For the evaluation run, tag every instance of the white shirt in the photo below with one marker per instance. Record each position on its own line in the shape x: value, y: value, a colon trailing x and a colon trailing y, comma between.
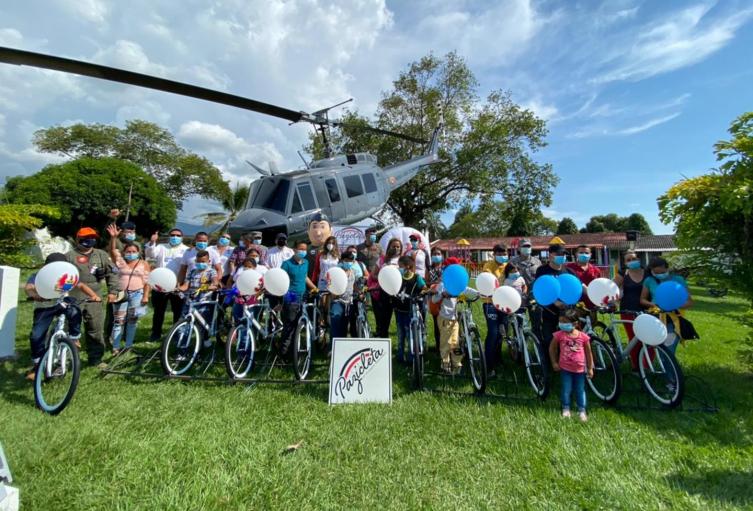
x: 420, y: 260
x: 189, y: 259
x: 166, y: 255
x: 276, y: 256
x: 223, y: 258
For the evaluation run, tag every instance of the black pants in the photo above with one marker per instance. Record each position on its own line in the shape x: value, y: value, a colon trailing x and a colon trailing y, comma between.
x: 353, y: 319
x: 436, y: 331
x: 382, y: 315
x: 159, y: 304
x: 549, y: 325
x: 290, y: 315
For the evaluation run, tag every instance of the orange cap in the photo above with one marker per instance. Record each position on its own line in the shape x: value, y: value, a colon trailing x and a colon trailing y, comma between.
x: 87, y: 232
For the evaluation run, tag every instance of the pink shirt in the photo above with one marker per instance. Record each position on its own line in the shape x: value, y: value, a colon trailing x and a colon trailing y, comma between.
x: 572, y: 350
x: 132, y: 279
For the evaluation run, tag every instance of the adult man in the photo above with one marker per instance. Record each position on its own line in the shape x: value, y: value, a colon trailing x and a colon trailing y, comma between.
x: 127, y: 233
x: 256, y: 242
x: 280, y: 253
x: 419, y: 254
x: 200, y: 242
x: 526, y: 263
x: 551, y: 313
x: 166, y: 255
x: 585, y: 271
x: 370, y: 251
x: 297, y: 268
x: 94, y: 266
x: 495, y: 320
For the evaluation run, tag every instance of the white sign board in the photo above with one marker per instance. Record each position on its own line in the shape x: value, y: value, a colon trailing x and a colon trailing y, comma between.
x: 9, y: 284
x: 360, y: 371
x: 348, y: 235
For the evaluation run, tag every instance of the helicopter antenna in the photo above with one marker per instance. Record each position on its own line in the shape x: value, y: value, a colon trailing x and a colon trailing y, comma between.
x: 304, y: 160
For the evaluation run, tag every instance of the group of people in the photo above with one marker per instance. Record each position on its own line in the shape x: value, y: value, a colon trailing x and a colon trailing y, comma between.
x: 203, y: 268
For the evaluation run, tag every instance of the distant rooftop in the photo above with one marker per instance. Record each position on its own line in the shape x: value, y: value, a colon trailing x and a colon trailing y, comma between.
x: 610, y: 240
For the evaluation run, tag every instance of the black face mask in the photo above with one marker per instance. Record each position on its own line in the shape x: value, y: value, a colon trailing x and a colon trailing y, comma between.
x: 281, y: 243
x: 87, y: 243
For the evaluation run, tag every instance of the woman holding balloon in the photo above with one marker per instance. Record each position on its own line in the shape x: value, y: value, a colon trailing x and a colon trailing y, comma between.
x: 380, y: 302
x: 630, y: 282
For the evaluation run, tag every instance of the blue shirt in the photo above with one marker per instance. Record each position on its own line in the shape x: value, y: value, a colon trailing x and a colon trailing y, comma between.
x: 652, y: 283
x: 297, y: 273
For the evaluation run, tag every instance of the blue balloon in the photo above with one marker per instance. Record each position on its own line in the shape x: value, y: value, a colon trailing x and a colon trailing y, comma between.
x: 546, y: 289
x: 670, y: 295
x: 571, y: 289
x: 455, y: 279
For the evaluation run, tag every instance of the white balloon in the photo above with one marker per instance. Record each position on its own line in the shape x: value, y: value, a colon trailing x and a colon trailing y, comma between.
x: 649, y: 330
x: 603, y: 291
x: 506, y: 299
x: 276, y: 281
x: 162, y: 280
x: 486, y: 283
x: 337, y: 281
x: 390, y: 280
x: 249, y: 282
x: 56, y: 278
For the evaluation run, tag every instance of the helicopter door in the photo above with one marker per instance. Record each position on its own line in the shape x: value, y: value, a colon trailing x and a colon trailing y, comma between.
x: 337, y: 204
x: 302, y: 206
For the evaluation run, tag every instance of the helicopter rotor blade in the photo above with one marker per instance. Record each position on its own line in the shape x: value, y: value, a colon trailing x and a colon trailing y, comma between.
x: 377, y: 130
x: 27, y: 58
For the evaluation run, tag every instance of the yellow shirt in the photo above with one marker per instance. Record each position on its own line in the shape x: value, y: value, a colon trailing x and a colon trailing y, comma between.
x: 496, y: 269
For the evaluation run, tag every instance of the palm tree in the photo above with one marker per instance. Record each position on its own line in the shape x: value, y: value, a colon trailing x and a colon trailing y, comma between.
x: 232, y: 204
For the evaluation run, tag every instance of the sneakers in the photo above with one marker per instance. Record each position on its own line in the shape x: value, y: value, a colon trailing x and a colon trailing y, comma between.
x: 31, y: 374
x: 582, y: 416
x: 565, y: 414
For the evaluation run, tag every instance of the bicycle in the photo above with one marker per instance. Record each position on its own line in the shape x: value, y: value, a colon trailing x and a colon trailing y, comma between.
x: 58, y: 372
x: 661, y: 374
x: 259, y: 321
x: 524, y: 341
x: 471, y: 345
x: 309, y: 331
x: 184, y: 342
x: 362, y: 321
x: 416, y: 339
x: 606, y: 383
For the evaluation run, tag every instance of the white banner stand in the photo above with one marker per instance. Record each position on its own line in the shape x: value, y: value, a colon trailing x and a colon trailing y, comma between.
x: 9, y: 281
x: 8, y: 494
x: 360, y: 371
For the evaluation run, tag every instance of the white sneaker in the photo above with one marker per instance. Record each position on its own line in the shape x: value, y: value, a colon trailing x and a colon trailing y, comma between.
x: 565, y: 414
x: 582, y: 416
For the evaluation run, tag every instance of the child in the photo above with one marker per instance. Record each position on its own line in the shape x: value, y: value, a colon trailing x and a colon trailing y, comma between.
x: 200, y: 282
x: 340, y: 306
x: 250, y: 262
x: 514, y: 279
x: 412, y: 286
x: 449, y: 329
x: 46, y: 310
x: 574, y: 361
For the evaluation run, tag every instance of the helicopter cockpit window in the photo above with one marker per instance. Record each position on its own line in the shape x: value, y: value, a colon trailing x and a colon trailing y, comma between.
x: 353, y: 186
x: 296, y: 207
x: 307, y: 196
x: 332, y: 191
x: 370, y: 183
x: 272, y: 194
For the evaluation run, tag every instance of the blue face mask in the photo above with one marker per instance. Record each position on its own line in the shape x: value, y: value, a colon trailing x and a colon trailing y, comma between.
x: 661, y: 276
x: 372, y: 238
x: 223, y: 242
x: 567, y: 327
x: 202, y: 266
x: 414, y: 245
x: 202, y: 245
x: 130, y: 257
x: 402, y: 271
x: 257, y: 241
x: 514, y: 276
x: 176, y: 240
x: 526, y: 251
x: 501, y: 259
x: 346, y: 266
x: 436, y: 259
x: 301, y: 254
x: 633, y: 265
x: 130, y: 236
x: 242, y: 244
x: 584, y: 258
x: 560, y: 259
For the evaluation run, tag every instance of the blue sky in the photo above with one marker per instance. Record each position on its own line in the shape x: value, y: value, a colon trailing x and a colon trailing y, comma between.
x: 635, y: 92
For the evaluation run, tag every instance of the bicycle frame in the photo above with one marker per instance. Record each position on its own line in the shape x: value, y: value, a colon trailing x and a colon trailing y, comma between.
x: 58, y: 332
x: 622, y: 352
x: 194, y: 316
x: 415, y: 315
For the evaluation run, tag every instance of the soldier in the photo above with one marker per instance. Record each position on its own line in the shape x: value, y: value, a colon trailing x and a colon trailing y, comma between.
x: 93, y: 267
x: 370, y: 251
x: 256, y: 242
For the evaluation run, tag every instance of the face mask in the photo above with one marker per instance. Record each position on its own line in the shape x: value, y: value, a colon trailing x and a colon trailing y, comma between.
x: 257, y: 241
x: 526, y: 251
x: 242, y: 244
x: 346, y: 266
x: 201, y: 245
x: 414, y: 245
x: 560, y: 259
x: 514, y: 276
x: 255, y: 259
x: 330, y: 246
x: 501, y: 259
x: 129, y: 236
x: 372, y: 238
x: 301, y: 254
x: 87, y: 242
x: 436, y: 259
x: 566, y: 327
x: 393, y: 250
x: 584, y: 258
x: 223, y: 242
x: 281, y: 243
x: 175, y: 240
x: 402, y: 271
x: 633, y: 265
x: 130, y: 257
x: 202, y: 266
x: 661, y: 276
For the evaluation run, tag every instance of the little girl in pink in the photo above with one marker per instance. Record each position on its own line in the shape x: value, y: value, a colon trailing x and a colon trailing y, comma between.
x: 570, y: 353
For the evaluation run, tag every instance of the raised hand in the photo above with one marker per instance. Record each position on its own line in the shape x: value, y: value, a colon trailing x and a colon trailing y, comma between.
x: 113, y: 230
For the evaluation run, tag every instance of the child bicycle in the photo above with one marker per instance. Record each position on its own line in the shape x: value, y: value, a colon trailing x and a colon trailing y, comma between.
x: 523, y: 342
x: 309, y: 331
x: 471, y: 345
x: 259, y: 322
x: 184, y: 342
x: 362, y: 321
x: 606, y: 383
x: 416, y: 339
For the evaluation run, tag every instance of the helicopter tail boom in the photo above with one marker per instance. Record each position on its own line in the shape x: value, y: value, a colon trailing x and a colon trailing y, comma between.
x: 401, y: 173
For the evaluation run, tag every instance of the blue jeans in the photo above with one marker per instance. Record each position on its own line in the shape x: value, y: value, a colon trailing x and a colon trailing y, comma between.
x: 493, y: 344
x: 671, y: 330
x: 338, y: 319
x: 125, y: 318
x: 403, y: 332
x: 573, y: 382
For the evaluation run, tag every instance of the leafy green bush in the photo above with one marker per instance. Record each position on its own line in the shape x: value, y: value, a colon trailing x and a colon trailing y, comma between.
x: 15, y: 222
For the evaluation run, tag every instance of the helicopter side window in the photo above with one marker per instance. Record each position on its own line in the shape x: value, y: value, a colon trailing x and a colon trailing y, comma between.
x: 307, y: 196
x: 332, y: 191
x: 272, y: 194
x: 370, y: 183
x: 353, y: 186
x: 296, y: 208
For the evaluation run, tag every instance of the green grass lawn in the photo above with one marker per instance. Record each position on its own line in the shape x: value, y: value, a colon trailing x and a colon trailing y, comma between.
x: 153, y: 444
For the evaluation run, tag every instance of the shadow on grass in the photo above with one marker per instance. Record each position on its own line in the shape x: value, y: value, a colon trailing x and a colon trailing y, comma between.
x: 14, y: 387
x: 720, y: 486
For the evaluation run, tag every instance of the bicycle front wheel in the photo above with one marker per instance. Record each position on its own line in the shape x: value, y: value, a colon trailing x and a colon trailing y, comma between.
x: 364, y: 330
x: 239, y: 351
x: 57, y: 377
x: 302, y: 350
x: 661, y: 375
x: 476, y: 361
x: 418, y: 356
x: 606, y: 383
x: 180, y: 348
x: 535, y: 370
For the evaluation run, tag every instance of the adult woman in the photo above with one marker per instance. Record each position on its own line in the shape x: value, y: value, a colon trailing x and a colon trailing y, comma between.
x: 435, y: 277
x: 630, y: 281
x: 133, y: 273
x: 380, y: 301
x: 221, y: 252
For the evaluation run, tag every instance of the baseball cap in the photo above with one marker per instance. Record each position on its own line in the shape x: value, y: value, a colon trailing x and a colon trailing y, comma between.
x: 256, y: 234
x: 87, y: 232
x: 414, y: 236
x: 524, y: 242
x: 128, y: 225
x: 556, y: 248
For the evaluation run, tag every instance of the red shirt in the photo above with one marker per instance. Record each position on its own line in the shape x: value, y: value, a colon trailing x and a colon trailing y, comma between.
x: 585, y: 275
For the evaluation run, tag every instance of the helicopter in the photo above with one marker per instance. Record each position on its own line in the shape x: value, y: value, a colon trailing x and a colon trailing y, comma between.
x: 347, y: 188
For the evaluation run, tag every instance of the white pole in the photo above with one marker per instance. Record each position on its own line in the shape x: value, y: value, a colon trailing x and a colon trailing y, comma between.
x: 9, y: 283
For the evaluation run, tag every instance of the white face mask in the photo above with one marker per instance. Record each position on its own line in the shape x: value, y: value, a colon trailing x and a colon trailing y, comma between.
x: 330, y: 246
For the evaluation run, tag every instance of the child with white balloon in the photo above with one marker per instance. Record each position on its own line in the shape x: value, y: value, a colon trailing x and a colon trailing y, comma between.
x: 514, y: 279
x: 44, y: 288
x: 570, y: 355
x: 412, y: 286
x: 341, y: 281
x: 241, y: 300
x: 449, y: 329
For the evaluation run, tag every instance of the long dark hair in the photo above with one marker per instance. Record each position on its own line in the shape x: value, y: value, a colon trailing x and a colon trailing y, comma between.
x: 400, y: 250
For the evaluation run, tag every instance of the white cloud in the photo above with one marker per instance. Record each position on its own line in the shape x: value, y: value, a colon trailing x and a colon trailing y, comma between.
x: 545, y: 111
x: 94, y: 11
x: 646, y: 125
x: 595, y: 131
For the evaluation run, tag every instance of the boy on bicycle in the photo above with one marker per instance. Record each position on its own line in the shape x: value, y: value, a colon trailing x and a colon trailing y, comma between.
x: 413, y: 285
x: 201, y: 281
x: 297, y: 268
x: 449, y: 328
x: 45, y: 311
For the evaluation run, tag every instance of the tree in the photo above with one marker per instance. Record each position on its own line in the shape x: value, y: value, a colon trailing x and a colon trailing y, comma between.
x: 615, y: 223
x: 637, y: 222
x: 486, y: 145
x: 567, y: 226
x: 713, y: 213
x: 232, y: 204
x: 86, y: 189
x: 15, y: 222
x: 178, y: 171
